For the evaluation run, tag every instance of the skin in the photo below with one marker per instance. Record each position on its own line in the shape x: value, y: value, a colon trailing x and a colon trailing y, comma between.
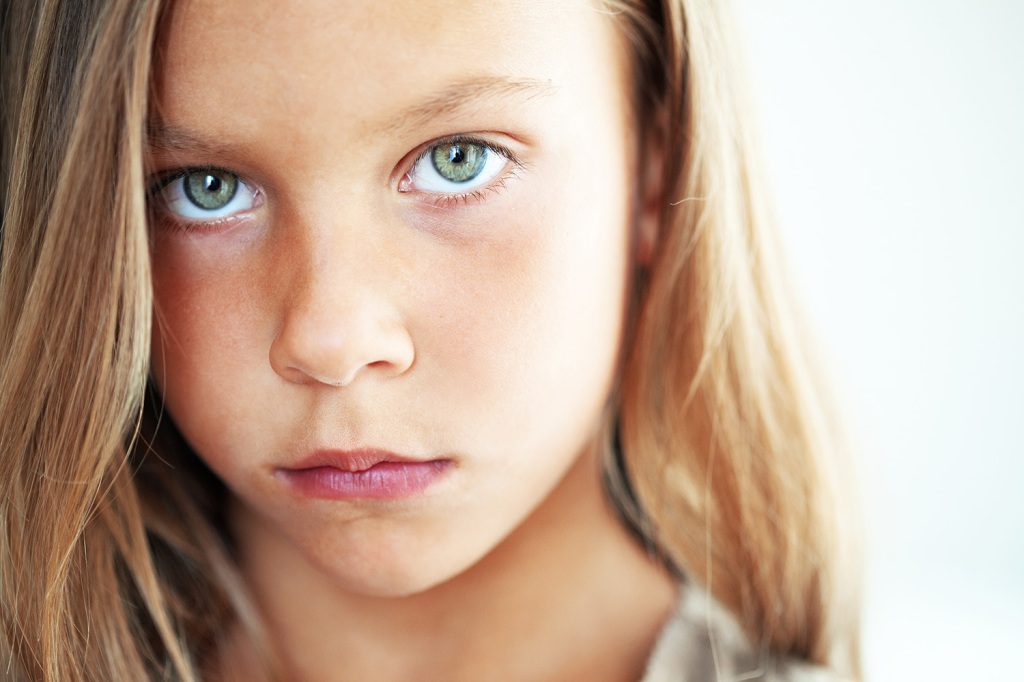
x: 347, y: 307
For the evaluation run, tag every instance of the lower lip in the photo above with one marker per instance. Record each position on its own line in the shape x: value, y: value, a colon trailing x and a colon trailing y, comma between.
x: 382, y: 481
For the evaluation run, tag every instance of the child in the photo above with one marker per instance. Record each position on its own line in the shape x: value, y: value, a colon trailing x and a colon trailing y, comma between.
x: 401, y: 341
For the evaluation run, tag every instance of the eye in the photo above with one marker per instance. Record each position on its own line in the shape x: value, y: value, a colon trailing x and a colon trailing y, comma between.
x: 208, y: 193
x: 455, y: 166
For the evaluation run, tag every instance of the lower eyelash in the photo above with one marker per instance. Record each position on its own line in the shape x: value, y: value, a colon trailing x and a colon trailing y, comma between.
x: 196, y: 227
x: 448, y: 201
x: 188, y: 228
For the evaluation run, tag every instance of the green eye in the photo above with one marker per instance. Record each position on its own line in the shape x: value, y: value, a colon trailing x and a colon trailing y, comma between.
x: 456, y: 166
x: 210, y: 190
x: 459, y: 161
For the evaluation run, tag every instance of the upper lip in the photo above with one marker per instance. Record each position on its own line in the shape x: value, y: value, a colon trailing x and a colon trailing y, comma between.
x: 350, y: 460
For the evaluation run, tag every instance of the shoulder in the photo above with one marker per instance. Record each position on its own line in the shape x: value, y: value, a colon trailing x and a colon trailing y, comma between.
x: 702, y: 642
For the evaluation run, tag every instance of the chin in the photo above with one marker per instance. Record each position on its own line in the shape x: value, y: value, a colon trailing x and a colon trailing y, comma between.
x: 387, y: 572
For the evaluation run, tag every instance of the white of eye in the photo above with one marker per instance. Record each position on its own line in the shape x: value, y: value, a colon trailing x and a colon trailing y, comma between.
x: 176, y: 200
x: 425, y: 176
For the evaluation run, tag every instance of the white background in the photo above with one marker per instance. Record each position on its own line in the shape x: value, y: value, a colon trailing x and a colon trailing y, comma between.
x: 894, y: 132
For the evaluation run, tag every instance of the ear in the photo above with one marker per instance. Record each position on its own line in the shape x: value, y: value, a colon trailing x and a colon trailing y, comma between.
x: 651, y: 174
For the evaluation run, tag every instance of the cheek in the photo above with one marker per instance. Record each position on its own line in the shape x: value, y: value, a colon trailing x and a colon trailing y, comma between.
x: 197, y: 318
x: 207, y: 338
x: 528, y: 325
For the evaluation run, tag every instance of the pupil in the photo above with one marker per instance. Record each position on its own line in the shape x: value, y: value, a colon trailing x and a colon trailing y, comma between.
x: 212, y: 183
x: 456, y: 156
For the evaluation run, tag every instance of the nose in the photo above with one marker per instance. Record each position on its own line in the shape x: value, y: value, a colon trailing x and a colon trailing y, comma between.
x: 337, y: 325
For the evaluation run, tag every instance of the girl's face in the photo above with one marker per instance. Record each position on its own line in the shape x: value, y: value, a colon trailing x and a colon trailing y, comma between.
x: 390, y: 247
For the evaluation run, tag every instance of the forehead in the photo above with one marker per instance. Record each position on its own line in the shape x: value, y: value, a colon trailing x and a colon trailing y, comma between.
x: 315, y: 63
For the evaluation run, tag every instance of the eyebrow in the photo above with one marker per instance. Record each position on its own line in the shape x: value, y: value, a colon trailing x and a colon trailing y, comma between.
x: 452, y: 100
x: 465, y: 95
x: 162, y: 137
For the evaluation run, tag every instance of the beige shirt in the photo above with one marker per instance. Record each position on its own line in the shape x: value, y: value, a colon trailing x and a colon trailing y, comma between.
x: 704, y: 643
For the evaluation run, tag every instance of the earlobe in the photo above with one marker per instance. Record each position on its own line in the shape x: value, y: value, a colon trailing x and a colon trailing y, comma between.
x: 651, y: 172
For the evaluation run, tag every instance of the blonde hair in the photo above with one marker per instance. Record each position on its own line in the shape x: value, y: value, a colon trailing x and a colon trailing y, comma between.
x: 733, y: 453
x: 112, y: 562
x: 83, y: 596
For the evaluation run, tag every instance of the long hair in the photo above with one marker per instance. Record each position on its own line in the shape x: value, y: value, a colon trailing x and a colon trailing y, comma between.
x: 732, y: 457
x: 112, y: 564
x: 98, y: 578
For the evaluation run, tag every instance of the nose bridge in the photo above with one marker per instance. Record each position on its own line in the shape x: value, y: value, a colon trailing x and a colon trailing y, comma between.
x: 342, y: 311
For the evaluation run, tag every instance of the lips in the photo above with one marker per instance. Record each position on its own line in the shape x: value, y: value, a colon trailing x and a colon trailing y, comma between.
x: 363, y: 474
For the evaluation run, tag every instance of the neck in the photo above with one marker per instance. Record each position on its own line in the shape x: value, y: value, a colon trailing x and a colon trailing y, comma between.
x: 568, y: 595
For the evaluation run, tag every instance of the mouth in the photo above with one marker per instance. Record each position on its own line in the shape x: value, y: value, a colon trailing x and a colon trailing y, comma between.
x: 363, y: 474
